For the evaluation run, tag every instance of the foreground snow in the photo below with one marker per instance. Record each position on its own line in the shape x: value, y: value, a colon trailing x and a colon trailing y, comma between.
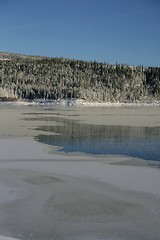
x: 81, y: 198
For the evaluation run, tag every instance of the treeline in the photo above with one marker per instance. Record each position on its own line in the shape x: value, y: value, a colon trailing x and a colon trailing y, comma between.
x: 30, y: 78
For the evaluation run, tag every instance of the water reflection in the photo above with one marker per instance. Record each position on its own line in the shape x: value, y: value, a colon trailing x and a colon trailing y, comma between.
x: 72, y: 136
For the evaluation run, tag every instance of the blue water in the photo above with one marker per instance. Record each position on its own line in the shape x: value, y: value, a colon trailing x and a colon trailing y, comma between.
x: 140, y: 142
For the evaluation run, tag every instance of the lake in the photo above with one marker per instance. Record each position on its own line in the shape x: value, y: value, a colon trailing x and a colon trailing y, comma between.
x: 132, y: 132
x: 76, y: 173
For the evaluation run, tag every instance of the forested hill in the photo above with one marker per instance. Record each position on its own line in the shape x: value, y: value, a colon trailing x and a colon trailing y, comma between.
x: 30, y: 77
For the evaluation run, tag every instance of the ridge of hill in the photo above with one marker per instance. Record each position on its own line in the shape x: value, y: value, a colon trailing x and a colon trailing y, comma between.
x: 34, y: 77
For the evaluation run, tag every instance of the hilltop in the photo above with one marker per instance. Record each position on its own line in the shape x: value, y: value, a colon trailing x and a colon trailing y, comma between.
x: 34, y: 77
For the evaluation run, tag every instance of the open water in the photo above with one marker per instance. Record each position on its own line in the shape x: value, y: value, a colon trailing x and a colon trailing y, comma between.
x: 71, y: 135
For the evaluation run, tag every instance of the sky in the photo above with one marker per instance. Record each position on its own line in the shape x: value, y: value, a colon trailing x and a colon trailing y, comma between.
x: 111, y: 31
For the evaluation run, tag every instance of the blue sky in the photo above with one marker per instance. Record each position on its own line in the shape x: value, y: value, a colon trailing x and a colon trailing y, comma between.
x: 122, y: 31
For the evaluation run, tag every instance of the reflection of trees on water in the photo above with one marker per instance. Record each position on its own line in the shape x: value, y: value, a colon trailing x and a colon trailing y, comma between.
x: 73, y: 136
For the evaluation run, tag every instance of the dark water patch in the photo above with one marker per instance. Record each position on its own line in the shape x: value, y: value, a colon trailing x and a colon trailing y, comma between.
x: 140, y: 142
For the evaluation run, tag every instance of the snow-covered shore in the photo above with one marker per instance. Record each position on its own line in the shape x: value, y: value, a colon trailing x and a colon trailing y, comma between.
x: 79, y: 102
x: 7, y: 238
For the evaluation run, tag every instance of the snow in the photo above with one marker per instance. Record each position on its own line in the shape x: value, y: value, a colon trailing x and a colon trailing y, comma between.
x: 80, y: 102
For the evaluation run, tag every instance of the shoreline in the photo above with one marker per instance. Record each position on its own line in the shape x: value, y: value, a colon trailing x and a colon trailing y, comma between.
x: 80, y: 102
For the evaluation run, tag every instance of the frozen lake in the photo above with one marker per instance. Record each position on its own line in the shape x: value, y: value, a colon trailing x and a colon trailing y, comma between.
x: 70, y: 130
x: 79, y: 173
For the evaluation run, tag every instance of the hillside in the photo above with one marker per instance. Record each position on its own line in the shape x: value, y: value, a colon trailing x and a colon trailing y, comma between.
x: 34, y: 77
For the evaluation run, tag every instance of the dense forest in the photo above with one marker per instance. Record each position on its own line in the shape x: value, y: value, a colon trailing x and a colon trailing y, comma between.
x: 30, y: 78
